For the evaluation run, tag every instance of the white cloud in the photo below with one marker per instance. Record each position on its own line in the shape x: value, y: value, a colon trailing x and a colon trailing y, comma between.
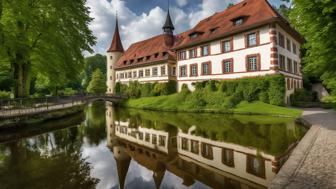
x: 181, y: 3
x: 207, y: 8
x: 135, y: 27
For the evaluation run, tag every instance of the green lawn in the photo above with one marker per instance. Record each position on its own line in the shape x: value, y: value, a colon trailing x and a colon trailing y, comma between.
x: 175, y: 103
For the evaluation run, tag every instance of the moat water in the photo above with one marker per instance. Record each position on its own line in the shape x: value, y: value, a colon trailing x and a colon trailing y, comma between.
x: 106, y: 147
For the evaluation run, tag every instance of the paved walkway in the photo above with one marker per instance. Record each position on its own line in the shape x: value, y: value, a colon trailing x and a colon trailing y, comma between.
x: 313, y: 162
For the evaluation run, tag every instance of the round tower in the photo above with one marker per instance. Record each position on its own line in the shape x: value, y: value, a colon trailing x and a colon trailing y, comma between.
x: 113, y: 54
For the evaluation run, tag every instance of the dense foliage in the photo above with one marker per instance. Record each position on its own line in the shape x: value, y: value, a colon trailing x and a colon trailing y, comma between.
x: 45, y: 38
x: 90, y: 65
x: 136, y: 90
x: 235, y: 96
x: 97, y: 84
x: 316, y: 21
x: 302, y: 96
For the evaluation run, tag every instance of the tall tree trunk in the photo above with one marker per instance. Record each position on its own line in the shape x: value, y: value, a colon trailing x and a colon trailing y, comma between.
x: 22, y: 80
x: 21, y: 65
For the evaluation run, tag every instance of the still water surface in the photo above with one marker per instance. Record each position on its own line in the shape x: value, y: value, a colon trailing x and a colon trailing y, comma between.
x: 105, y: 147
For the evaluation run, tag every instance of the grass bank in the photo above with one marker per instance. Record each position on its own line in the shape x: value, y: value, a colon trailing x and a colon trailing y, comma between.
x: 177, y: 103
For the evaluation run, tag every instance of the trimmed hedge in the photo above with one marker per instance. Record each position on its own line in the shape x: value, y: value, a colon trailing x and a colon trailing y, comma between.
x: 136, y: 90
x: 269, y: 89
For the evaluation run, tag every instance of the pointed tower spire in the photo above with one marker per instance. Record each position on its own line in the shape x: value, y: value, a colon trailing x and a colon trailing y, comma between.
x: 168, y: 27
x: 116, y: 45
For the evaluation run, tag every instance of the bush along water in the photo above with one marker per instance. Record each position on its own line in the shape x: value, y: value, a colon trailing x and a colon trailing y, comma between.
x: 210, y: 94
x: 136, y: 90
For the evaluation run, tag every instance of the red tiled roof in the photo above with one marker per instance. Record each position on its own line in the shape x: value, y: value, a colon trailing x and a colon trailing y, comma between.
x: 254, y: 12
x: 148, y: 51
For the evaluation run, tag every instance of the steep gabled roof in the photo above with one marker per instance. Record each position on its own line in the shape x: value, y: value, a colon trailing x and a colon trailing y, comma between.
x: 254, y: 12
x: 168, y: 24
x: 116, y: 45
x: 148, y: 51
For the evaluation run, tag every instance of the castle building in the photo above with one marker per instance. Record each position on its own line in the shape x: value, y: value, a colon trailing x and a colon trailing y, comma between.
x: 248, y: 39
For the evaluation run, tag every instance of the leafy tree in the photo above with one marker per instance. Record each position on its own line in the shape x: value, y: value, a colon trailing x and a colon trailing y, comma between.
x: 315, y: 20
x: 91, y: 64
x: 46, y: 36
x: 97, y: 83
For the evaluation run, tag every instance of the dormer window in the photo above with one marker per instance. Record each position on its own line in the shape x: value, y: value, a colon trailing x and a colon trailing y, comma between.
x: 148, y: 57
x: 132, y: 61
x: 125, y: 62
x: 238, y: 21
x: 213, y: 30
x: 156, y: 55
x: 140, y: 59
x: 193, y: 35
x: 164, y: 54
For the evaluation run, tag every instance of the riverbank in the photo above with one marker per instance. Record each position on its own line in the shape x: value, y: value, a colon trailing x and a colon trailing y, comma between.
x: 174, y: 103
x: 40, y: 117
x: 312, y: 165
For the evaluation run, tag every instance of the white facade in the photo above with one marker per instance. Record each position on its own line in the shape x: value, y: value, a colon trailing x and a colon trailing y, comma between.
x: 238, y: 54
x: 164, y: 72
x: 112, y: 58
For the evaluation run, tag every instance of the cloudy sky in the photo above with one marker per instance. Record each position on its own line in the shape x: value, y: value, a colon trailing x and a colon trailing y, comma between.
x: 141, y: 19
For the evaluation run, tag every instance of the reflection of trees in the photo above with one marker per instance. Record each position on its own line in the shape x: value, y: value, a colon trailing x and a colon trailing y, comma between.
x: 269, y: 135
x: 95, y: 122
x: 51, y: 160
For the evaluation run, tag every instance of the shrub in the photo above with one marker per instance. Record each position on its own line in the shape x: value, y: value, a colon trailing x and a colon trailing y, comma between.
x: 302, y: 96
x: 276, y: 90
x: 5, y: 94
x: 117, y: 88
x: 200, y: 85
x: 210, y: 86
x: 69, y: 92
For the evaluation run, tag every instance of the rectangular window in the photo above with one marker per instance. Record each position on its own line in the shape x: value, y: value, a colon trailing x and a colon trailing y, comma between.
x: 251, y: 39
x: 163, y: 70
x: 154, y: 71
x: 134, y: 74
x: 282, y: 62
x: 206, y: 68
x: 154, y: 139
x: 296, y: 67
x: 289, y: 65
x: 129, y: 75
x: 147, y: 72
x: 294, y: 48
x: 193, y: 53
x: 174, y: 71
x: 147, y: 137
x: 140, y: 135
x: 122, y: 75
x: 162, y: 140
x: 289, y: 45
x: 226, y: 46
x: 182, y: 55
x: 255, y: 166
x: 228, y: 66
x: 205, y: 50
x: 281, y: 40
x: 141, y: 73
x: 194, y: 147
x: 193, y: 70
x: 183, y: 71
x: 207, y: 151
x: 253, y: 63
x: 184, y: 143
x: 227, y: 157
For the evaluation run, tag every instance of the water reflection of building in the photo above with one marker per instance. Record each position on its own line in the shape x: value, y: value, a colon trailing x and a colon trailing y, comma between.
x: 215, y: 163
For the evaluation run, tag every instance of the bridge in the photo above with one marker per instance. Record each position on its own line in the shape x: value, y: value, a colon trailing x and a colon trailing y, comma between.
x: 13, y: 108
